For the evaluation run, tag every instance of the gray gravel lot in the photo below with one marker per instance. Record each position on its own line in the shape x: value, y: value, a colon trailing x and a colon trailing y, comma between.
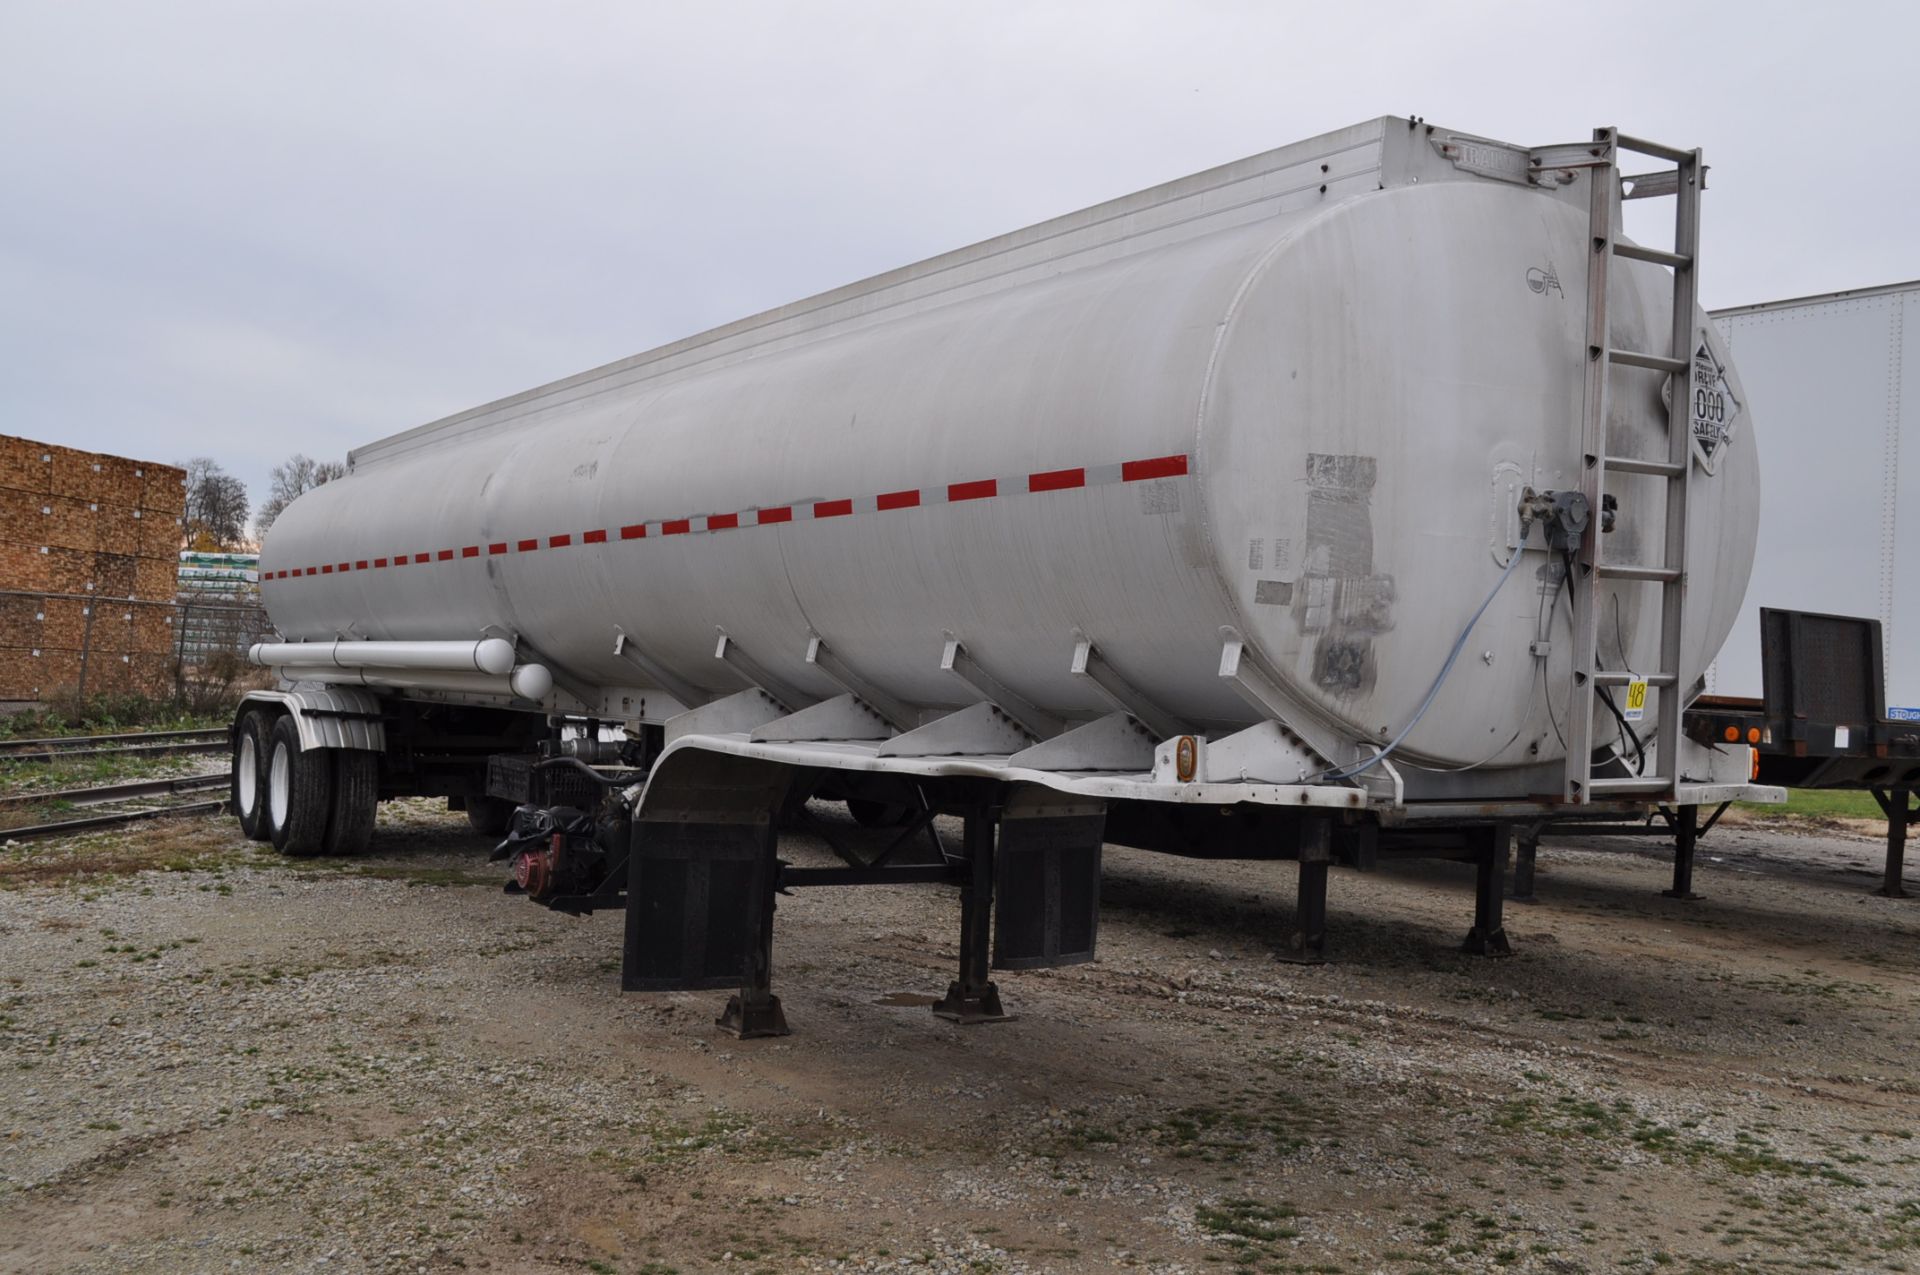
x: 214, y: 1060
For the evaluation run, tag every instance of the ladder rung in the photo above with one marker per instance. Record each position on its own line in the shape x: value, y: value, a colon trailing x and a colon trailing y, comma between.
x: 1628, y: 787
x: 1658, y: 256
x: 1651, y: 185
x: 1641, y: 146
x: 1621, y: 679
x: 1657, y: 362
x: 1659, y: 468
x: 1627, y: 571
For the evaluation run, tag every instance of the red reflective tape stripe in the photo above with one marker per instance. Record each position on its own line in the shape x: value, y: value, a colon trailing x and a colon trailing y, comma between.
x: 1159, y: 467
x: 1132, y: 471
x: 1057, y: 480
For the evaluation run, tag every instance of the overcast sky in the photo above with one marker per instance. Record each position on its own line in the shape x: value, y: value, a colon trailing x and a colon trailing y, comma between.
x: 248, y: 229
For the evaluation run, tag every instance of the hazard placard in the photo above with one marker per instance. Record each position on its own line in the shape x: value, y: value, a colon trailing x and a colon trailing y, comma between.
x: 1636, y: 709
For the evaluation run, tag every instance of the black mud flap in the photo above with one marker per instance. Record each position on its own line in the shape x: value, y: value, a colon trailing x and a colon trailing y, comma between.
x: 1047, y: 879
x: 701, y: 874
x: 698, y: 901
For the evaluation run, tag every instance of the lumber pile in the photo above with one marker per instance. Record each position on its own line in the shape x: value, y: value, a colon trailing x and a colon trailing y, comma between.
x: 89, y: 555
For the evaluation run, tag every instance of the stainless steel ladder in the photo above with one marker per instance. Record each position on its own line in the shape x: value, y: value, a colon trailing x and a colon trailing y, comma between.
x: 1591, y: 569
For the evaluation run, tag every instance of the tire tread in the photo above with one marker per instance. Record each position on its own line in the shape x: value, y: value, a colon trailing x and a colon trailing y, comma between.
x: 309, y: 793
x: 356, y: 801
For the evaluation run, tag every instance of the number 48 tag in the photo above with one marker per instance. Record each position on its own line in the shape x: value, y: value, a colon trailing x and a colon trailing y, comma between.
x: 1636, y: 709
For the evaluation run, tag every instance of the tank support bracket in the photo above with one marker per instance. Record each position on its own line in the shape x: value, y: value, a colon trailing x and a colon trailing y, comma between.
x: 897, y: 712
x: 1119, y: 692
x: 955, y: 659
x: 728, y: 651
x: 666, y: 679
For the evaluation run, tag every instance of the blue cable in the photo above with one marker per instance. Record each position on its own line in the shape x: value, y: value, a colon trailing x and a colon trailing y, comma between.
x: 1459, y: 644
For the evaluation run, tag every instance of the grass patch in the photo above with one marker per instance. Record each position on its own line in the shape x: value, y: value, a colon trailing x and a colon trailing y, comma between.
x: 1819, y: 804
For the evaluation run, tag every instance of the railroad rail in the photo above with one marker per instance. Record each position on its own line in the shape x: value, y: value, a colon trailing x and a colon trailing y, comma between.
x: 95, y: 823
x: 159, y: 743
x: 109, y: 793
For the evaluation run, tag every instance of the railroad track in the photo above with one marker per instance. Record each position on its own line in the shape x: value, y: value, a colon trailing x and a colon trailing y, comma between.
x: 158, y: 743
x: 112, y: 794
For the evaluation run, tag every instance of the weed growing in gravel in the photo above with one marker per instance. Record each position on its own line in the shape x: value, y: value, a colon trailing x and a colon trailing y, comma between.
x: 1249, y: 1228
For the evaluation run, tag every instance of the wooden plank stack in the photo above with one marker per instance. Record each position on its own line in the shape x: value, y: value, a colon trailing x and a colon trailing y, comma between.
x: 92, y: 542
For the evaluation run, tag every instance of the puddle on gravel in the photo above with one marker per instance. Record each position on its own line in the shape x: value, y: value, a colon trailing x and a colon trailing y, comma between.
x: 911, y: 1000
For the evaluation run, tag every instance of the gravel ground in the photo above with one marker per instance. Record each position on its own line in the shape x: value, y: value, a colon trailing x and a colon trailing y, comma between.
x: 214, y: 1060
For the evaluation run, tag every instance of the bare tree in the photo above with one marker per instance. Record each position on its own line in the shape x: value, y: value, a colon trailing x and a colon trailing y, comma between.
x: 299, y: 474
x: 216, y: 503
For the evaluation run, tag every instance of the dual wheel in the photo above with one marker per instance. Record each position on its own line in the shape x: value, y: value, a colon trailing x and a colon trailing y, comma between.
x: 306, y: 802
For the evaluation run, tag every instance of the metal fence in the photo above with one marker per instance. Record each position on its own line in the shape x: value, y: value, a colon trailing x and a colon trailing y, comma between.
x: 58, y: 643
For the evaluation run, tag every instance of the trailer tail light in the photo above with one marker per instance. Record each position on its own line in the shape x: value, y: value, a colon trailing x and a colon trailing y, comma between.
x: 1753, y: 772
x: 1753, y: 734
x: 1733, y: 734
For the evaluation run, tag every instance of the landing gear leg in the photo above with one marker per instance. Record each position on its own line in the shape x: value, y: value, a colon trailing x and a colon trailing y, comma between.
x: 754, y: 1011
x: 1307, y: 944
x: 972, y: 998
x: 1488, y: 849
x: 1525, y: 850
x: 1686, y: 834
x: 1897, y: 803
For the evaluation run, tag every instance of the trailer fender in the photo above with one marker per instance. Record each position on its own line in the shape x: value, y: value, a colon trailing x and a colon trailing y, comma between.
x: 329, y: 717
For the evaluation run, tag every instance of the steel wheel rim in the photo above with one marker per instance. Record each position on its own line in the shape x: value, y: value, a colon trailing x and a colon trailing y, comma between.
x: 279, y: 785
x: 248, y: 774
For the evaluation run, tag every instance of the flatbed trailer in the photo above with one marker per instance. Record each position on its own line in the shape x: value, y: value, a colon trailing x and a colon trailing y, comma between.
x: 1821, y: 723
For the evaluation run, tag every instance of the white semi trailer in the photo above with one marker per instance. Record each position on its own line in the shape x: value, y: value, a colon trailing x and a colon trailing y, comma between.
x: 1829, y: 375
x: 1355, y: 498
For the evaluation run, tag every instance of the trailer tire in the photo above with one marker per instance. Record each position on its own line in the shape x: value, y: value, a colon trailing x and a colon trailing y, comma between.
x: 356, y: 801
x: 299, y: 792
x: 247, y: 781
x: 489, y: 816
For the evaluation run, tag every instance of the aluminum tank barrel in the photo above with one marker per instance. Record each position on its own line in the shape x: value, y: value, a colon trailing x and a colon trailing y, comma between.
x: 1302, y: 435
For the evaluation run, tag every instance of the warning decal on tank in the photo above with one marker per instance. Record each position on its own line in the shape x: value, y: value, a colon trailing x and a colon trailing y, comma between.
x: 1714, y: 408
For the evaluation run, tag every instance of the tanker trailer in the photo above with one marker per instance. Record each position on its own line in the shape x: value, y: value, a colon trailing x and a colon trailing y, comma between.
x: 1356, y: 498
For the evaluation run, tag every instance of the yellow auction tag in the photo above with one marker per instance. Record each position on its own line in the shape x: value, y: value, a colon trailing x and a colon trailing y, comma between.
x: 1636, y: 700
